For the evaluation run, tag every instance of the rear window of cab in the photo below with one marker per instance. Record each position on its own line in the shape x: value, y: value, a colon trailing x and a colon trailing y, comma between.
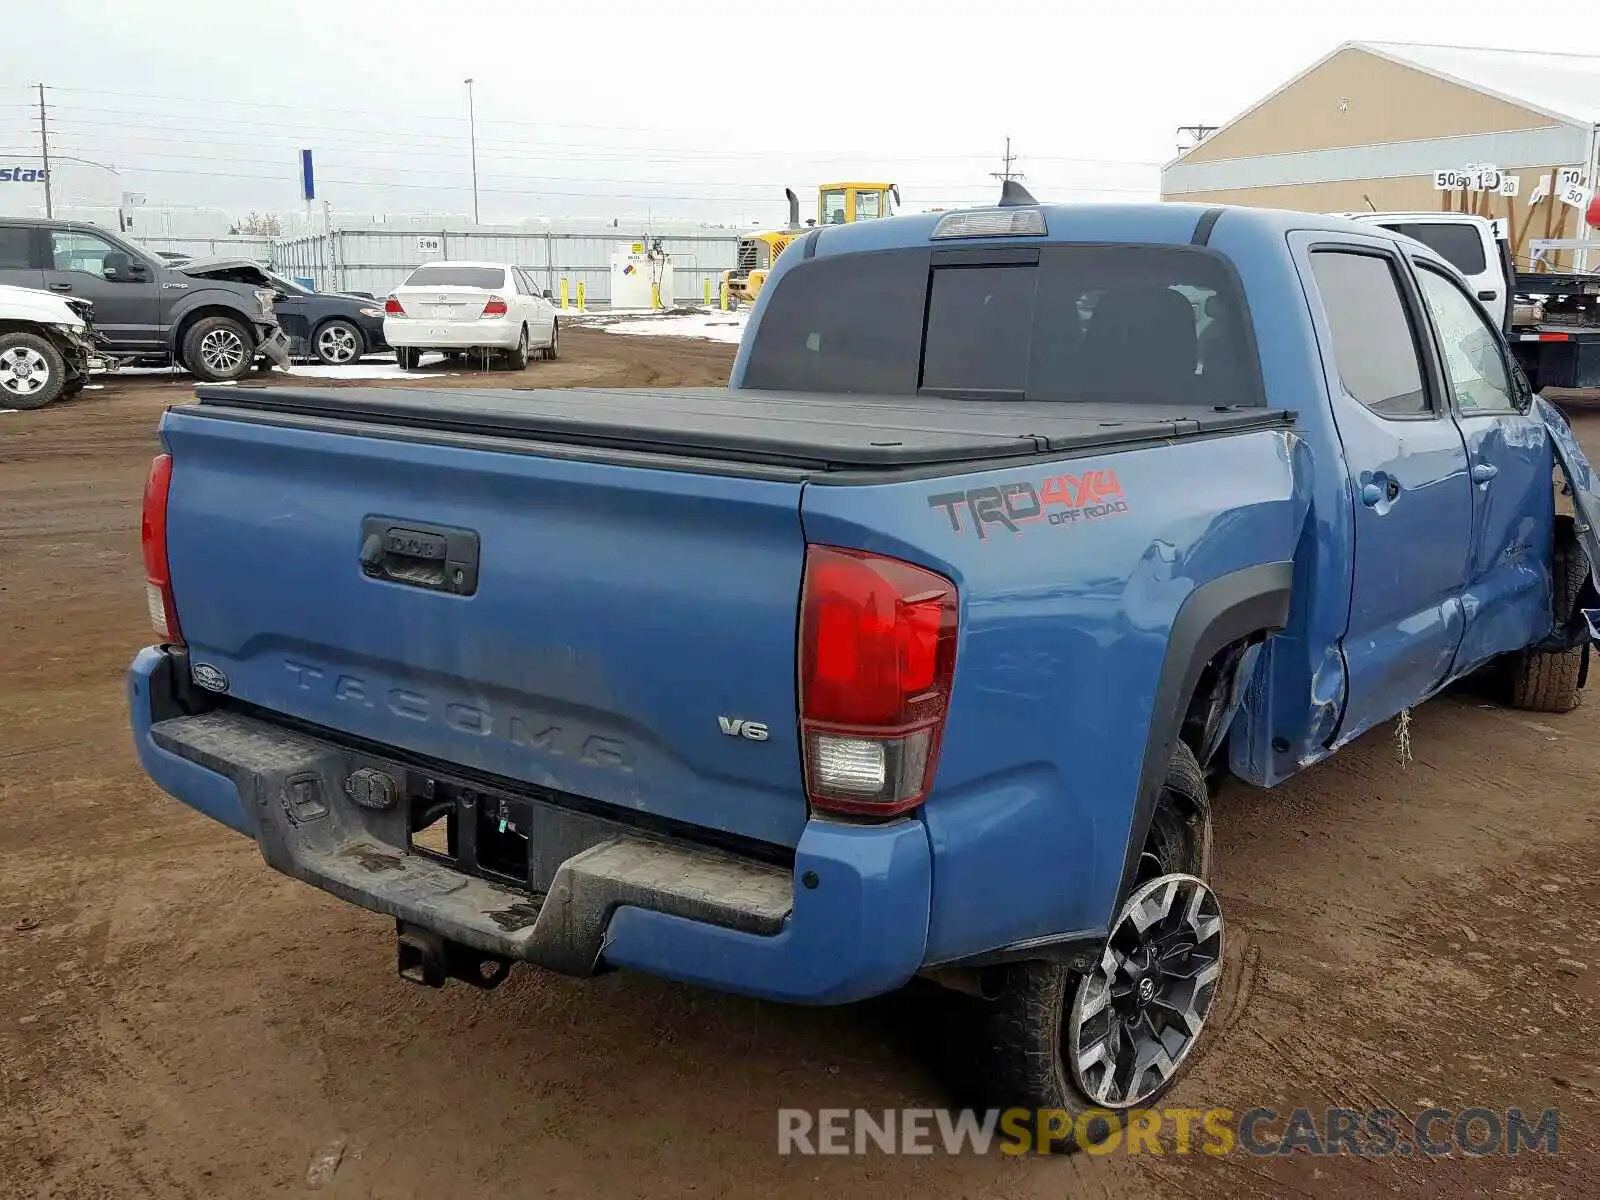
x: 1092, y: 323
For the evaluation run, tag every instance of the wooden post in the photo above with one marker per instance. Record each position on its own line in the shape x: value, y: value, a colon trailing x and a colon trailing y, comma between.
x: 1511, y: 234
x: 1550, y: 216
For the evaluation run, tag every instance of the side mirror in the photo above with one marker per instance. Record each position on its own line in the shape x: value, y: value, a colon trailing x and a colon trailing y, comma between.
x: 278, y: 296
x: 137, y: 272
x: 548, y: 294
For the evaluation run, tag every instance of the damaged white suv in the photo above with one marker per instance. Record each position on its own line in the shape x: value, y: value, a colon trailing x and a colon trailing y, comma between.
x: 46, y: 346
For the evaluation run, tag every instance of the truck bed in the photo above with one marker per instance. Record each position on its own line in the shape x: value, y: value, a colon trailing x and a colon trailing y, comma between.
x: 805, y: 431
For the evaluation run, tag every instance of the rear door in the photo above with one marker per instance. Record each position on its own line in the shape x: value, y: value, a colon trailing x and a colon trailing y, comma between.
x: 20, y: 262
x: 125, y: 294
x: 1407, y: 465
x: 1510, y: 465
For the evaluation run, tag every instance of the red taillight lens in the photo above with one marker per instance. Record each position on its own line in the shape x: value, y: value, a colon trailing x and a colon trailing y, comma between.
x: 877, y: 658
x: 153, y: 535
x: 393, y: 307
x: 495, y: 307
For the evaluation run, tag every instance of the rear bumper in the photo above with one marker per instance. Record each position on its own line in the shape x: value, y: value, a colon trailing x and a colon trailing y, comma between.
x: 420, y: 333
x: 849, y: 920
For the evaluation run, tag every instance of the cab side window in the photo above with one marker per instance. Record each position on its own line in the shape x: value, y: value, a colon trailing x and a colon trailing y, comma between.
x: 1479, y: 378
x: 1374, y: 345
x: 74, y: 251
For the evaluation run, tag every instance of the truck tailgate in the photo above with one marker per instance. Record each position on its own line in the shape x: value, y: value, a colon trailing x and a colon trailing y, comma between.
x: 612, y: 625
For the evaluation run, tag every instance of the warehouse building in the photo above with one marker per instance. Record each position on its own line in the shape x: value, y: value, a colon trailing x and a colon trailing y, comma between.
x: 1370, y: 125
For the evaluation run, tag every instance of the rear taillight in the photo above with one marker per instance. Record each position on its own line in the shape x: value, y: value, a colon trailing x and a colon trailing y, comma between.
x: 877, y: 657
x: 393, y: 307
x: 153, y: 534
x: 495, y: 306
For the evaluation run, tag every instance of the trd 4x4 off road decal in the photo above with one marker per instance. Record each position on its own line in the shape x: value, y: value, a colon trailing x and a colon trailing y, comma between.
x: 1059, y: 500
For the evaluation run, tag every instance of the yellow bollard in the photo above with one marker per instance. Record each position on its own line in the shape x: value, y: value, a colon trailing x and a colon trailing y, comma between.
x: 708, y: 291
x: 724, y: 295
x: 655, y: 295
x: 580, y: 295
x: 563, y: 295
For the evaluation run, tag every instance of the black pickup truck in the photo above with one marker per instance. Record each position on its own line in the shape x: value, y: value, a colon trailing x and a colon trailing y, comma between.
x: 146, y: 310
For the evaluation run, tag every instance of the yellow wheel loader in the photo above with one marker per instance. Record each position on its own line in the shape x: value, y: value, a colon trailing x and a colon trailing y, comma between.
x: 837, y: 204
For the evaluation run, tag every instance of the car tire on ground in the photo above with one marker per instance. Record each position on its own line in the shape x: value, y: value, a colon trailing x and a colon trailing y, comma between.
x: 217, y: 349
x: 409, y: 357
x: 517, y: 360
x: 338, y: 343
x: 553, y: 351
x: 32, y: 372
x: 1552, y: 681
x: 1058, y: 1038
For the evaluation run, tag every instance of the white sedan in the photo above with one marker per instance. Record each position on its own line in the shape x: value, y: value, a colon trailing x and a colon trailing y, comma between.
x: 473, y: 308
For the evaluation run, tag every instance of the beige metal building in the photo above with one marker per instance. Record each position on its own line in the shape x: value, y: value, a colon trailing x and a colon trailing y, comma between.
x: 1369, y: 124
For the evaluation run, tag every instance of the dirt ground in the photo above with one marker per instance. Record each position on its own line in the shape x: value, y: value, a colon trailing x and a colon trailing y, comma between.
x: 176, y: 1020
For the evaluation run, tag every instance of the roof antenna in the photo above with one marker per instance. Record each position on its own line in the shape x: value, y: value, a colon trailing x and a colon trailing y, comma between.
x: 1012, y: 193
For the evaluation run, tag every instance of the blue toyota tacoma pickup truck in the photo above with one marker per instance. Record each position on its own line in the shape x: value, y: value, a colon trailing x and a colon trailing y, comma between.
x: 910, y: 653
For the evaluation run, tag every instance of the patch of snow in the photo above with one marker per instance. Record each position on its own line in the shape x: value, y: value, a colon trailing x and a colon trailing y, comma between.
x: 711, y: 326
x: 3, y: 411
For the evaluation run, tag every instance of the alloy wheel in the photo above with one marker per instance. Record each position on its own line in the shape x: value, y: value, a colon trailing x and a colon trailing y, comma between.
x: 1139, y: 1012
x: 222, y: 351
x: 337, y: 344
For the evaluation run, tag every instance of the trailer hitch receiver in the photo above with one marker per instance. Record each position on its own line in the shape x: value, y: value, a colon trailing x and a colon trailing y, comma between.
x: 429, y: 958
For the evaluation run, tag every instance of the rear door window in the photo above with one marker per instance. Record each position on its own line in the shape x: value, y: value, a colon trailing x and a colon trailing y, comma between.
x: 16, y: 247
x: 445, y: 275
x: 1374, y: 342
x: 1458, y: 244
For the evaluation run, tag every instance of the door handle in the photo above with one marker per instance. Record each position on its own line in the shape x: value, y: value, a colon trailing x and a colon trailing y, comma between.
x: 1371, y: 495
x: 1488, y: 295
x: 1483, y: 472
x: 60, y: 287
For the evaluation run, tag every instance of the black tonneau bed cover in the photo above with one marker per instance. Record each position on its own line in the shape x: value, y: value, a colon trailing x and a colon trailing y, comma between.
x: 806, y: 430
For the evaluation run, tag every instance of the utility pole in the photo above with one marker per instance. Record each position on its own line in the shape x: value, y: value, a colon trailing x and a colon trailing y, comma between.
x: 1197, y: 132
x: 44, y: 153
x: 472, y: 128
x: 1008, y: 173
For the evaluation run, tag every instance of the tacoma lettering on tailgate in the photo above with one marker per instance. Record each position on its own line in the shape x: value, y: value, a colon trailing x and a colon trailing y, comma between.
x: 523, y: 728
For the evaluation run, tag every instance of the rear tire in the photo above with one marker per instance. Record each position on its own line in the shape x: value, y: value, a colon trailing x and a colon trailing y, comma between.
x: 32, y: 371
x: 1041, y: 1038
x: 218, y: 349
x: 517, y: 360
x: 409, y: 357
x: 1551, y: 681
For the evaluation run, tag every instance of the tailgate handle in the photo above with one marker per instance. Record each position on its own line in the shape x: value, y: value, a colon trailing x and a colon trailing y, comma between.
x: 440, y: 558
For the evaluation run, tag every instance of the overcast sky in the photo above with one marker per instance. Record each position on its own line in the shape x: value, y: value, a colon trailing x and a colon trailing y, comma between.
x: 693, y: 108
